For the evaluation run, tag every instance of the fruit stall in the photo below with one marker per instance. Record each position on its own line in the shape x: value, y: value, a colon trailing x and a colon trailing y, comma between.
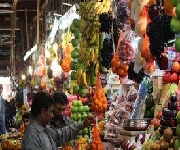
x: 120, y: 62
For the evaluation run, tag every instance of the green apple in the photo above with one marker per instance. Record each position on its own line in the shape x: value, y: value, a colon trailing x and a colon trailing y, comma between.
x: 74, y: 103
x: 84, y: 115
x: 81, y: 108
x: 86, y: 108
x: 75, y: 116
x: 79, y: 103
x: 79, y: 116
x: 178, y: 130
x: 85, y: 131
x: 81, y: 132
x: 80, y: 136
x: 178, y: 117
x: 86, y: 136
x: 74, y: 109
x: 79, y: 121
x: 177, y: 144
x: 75, y: 89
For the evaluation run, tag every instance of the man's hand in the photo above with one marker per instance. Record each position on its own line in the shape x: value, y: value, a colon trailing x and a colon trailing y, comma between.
x: 89, y: 120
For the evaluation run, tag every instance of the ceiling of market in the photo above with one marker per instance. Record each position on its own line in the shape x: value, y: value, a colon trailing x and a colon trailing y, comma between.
x: 20, y: 16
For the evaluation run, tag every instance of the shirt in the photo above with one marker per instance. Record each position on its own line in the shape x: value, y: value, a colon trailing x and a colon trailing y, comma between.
x: 65, y: 131
x: 2, y: 116
x: 37, y: 137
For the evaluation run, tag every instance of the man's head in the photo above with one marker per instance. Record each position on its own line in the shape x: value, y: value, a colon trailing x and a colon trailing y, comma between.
x: 1, y: 88
x: 26, y: 118
x: 61, y: 102
x: 42, y: 107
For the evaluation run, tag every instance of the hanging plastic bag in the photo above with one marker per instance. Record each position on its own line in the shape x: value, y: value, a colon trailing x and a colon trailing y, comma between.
x: 126, y: 50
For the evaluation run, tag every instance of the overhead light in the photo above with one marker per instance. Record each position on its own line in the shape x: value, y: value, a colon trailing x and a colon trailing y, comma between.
x: 5, y: 5
x: 67, y: 4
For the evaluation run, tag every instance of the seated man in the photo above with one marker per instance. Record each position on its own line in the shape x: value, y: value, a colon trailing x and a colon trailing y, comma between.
x: 62, y: 125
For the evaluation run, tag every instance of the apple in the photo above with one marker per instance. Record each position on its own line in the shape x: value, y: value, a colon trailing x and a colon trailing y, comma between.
x: 178, y: 117
x: 155, y: 122
x: 85, y: 131
x: 86, y: 108
x: 178, y: 130
x: 177, y: 144
x: 86, y: 136
x: 74, y: 103
x: 79, y: 121
x: 166, y: 77
x: 79, y: 103
x: 84, y: 115
x: 80, y: 136
x: 85, y: 100
x: 75, y: 116
x: 74, y: 109
x: 174, y: 78
x: 81, y: 132
x: 81, y: 108
x: 79, y: 116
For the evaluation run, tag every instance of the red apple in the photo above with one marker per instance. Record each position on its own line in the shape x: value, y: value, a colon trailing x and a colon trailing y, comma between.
x: 166, y: 77
x: 155, y: 122
x: 174, y: 78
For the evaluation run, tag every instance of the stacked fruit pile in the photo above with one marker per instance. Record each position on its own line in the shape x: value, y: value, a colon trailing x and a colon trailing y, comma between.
x: 96, y: 141
x: 78, y: 111
x: 84, y: 133
x: 82, y: 144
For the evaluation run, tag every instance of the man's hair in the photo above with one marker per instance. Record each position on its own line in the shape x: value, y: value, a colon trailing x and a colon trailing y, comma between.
x: 41, y: 100
x: 26, y: 115
x: 61, y: 98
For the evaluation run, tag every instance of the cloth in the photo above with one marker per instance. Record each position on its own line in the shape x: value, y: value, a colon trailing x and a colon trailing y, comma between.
x: 37, y: 137
x: 67, y: 130
x: 2, y: 116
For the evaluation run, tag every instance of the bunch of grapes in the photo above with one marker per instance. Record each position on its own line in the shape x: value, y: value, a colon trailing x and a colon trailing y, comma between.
x: 136, y: 77
x: 106, y: 21
x: 107, y: 53
x: 159, y: 33
x: 123, y: 13
x: 126, y: 51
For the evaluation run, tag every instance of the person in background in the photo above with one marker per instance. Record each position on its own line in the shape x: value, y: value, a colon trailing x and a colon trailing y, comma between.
x: 26, y: 119
x: 2, y: 112
x: 37, y: 136
x: 63, y: 125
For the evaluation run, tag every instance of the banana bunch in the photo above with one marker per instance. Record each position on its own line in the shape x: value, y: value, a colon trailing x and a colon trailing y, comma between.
x: 82, y: 79
x: 72, y: 84
x: 94, y: 54
x: 90, y: 9
x: 85, y: 56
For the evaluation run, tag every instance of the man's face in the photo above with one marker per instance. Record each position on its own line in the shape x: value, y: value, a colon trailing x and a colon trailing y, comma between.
x: 26, y: 122
x: 59, y: 109
x: 47, y: 115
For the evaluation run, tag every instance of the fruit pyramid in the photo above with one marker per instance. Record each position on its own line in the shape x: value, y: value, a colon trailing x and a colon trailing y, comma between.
x: 96, y: 140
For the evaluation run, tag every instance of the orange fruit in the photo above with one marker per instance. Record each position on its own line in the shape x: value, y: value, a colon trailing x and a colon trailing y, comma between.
x: 176, y: 66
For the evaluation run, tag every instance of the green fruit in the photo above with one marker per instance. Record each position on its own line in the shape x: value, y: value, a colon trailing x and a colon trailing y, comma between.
x: 74, y: 42
x: 73, y: 65
x: 79, y: 103
x: 80, y: 132
x: 77, y: 34
x: 177, y: 44
x: 177, y: 144
x: 81, y: 109
x: 85, y: 131
x: 175, y: 2
x: 76, y: 23
x: 178, y: 130
x: 178, y: 117
x: 84, y: 115
x: 74, y: 109
x: 72, y: 28
x: 86, y: 136
x: 79, y: 117
x: 74, y: 54
x: 175, y: 25
x: 86, y: 108
x: 75, y: 89
x: 82, y: 92
x: 74, y: 103
x: 73, y: 75
x: 178, y: 10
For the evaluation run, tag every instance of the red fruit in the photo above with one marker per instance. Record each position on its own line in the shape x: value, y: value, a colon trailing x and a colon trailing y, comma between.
x: 155, y: 122
x: 159, y: 115
x: 166, y: 77
x: 174, y: 78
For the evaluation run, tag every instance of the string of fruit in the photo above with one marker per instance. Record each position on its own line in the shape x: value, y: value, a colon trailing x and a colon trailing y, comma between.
x: 99, y: 102
x: 82, y: 144
x: 96, y: 140
x: 67, y: 48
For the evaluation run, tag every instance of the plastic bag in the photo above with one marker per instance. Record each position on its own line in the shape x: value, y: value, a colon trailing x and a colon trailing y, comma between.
x: 126, y: 51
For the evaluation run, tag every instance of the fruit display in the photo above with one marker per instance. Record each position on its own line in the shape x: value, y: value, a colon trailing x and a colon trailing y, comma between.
x: 83, y: 144
x: 96, y: 141
x: 99, y: 102
x: 171, y: 78
x: 79, y: 111
x: 11, y: 144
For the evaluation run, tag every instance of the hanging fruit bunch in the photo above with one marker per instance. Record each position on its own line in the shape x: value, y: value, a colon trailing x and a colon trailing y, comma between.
x: 106, y: 53
x: 117, y: 66
x: 99, y: 102
x: 96, y: 140
x: 67, y: 48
